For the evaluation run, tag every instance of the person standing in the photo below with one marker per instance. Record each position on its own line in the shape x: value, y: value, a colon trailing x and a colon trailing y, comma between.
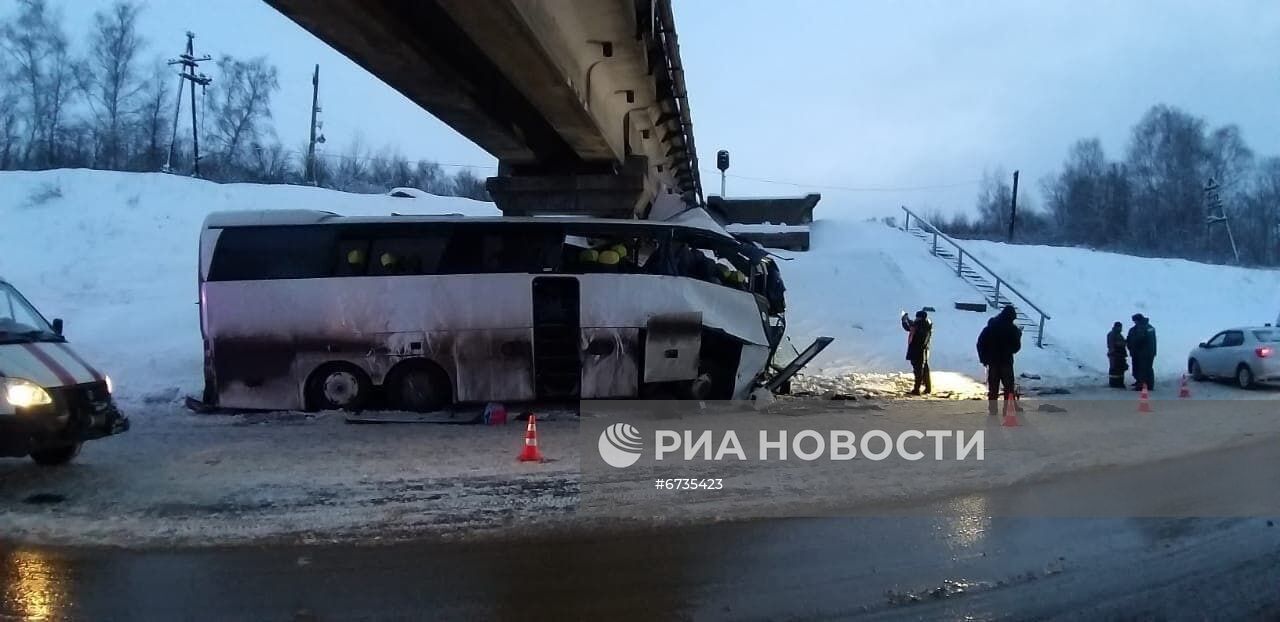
x: 919, y: 334
x: 1117, y: 355
x: 1142, y: 349
x: 997, y: 343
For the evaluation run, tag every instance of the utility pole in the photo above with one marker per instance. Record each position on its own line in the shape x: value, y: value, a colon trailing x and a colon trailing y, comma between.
x: 311, y: 147
x: 1013, y: 206
x: 1216, y: 213
x: 190, y: 74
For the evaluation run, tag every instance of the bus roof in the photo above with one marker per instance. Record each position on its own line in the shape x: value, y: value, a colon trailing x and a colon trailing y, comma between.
x: 285, y: 217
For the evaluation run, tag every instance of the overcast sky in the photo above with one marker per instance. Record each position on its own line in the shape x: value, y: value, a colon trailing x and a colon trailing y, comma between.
x: 826, y: 93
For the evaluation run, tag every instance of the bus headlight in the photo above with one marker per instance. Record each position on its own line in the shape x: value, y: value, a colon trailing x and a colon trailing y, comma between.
x: 24, y: 393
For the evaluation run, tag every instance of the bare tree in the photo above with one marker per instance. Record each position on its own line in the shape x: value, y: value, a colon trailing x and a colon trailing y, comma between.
x: 8, y: 118
x: 41, y: 72
x: 352, y: 168
x: 994, y: 197
x: 467, y: 184
x: 240, y: 110
x: 112, y: 81
x: 1167, y: 163
x: 154, y: 115
x: 1076, y: 197
x: 272, y: 163
x: 429, y: 177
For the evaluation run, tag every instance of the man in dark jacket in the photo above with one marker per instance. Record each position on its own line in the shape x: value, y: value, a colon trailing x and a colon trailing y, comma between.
x: 997, y: 343
x: 1117, y: 355
x: 919, y: 334
x: 1142, y: 348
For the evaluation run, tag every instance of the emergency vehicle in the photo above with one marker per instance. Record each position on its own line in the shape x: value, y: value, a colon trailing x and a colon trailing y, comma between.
x: 51, y: 399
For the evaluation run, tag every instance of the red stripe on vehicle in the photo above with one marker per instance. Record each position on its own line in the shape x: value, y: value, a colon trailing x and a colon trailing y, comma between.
x: 72, y: 353
x: 53, y: 366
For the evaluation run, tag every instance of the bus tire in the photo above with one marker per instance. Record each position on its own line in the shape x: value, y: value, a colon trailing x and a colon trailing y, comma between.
x: 417, y: 385
x: 338, y: 386
x: 55, y: 456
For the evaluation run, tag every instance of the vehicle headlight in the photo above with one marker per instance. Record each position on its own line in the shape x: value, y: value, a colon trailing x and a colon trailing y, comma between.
x: 111, y: 388
x: 24, y: 393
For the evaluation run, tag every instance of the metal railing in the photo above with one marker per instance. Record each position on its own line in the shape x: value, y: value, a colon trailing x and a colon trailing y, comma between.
x: 994, y: 300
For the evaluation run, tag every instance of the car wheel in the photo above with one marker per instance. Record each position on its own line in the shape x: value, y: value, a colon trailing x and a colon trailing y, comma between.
x: 55, y: 456
x: 1194, y: 369
x: 1244, y: 377
x: 338, y: 386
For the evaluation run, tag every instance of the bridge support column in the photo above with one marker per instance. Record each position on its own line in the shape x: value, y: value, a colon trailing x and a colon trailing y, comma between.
x: 622, y: 194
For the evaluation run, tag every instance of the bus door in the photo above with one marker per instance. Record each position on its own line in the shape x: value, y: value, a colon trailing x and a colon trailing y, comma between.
x: 557, y: 362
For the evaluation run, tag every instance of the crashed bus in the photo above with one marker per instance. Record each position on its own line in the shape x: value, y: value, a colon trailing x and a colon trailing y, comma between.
x: 310, y: 310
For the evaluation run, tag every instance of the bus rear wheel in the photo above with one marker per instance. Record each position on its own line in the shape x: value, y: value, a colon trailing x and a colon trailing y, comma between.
x: 417, y: 387
x: 338, y: 386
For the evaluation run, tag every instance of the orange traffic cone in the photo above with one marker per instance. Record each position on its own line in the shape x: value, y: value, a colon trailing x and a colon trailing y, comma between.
x: 1144, y: 400
x: 1010, y: 411
x: 530, y: 452
x: 1184, y: 391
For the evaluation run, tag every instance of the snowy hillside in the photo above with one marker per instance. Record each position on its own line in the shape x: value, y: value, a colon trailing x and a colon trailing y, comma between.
x: 854, y: 285
x: 114, y: 254
x: 1086, y: 291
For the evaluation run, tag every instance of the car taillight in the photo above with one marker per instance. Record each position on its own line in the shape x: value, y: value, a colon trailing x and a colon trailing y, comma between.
x: 1263, y: 351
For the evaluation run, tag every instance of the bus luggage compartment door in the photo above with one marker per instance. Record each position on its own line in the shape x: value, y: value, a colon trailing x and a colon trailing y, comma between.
x: 671, y: 347
x: 557, y: 363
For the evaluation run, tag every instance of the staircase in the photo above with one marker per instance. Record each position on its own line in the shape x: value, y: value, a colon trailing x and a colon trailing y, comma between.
x: 994, y: 289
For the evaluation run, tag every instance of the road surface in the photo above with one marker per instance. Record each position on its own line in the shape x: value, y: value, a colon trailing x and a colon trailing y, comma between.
x: 956, y: 563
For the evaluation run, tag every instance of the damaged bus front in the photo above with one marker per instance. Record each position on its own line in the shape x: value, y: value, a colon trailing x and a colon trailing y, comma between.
x: 310, y: 310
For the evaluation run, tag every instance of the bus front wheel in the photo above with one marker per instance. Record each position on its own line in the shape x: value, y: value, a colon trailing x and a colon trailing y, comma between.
x: 338, y: 386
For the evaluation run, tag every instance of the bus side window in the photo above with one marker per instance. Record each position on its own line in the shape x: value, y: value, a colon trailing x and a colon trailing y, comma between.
x: 353, y: 258
x: 255, y: 253
x: 407, y: 255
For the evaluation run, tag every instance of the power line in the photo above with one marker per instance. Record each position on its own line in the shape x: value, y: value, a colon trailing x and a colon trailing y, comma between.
x: 958, y: 184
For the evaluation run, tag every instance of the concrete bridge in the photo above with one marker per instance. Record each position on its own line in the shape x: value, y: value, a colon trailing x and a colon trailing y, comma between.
x: 583, y: 102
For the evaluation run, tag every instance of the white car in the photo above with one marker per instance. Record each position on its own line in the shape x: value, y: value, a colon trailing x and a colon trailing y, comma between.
x: 1247, y: 355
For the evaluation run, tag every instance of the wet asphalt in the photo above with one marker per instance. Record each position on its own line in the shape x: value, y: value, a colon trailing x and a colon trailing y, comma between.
x: 947, y: 559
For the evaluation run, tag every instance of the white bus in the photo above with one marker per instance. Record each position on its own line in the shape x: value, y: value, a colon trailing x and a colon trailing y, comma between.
x: 311, y: 310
